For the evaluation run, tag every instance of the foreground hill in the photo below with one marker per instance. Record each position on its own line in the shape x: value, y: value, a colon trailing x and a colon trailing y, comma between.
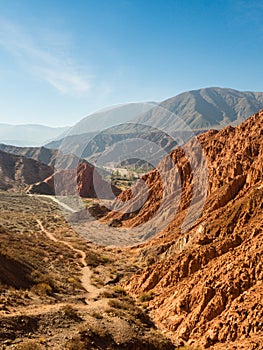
x: 54, y: 286
x: 204, y: 285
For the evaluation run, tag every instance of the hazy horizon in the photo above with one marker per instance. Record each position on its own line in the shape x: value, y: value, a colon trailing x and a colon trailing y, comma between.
x: 61, y: 126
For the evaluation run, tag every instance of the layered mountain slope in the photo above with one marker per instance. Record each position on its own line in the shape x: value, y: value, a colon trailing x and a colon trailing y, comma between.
x: 205, y: 283
x: 204, y: 109
x: 17, y: 172
x: 51, y: 157
x: 189, y: 113
x: 80, y: 181
x: 41, y: 154
x: 71, y: 176
x: 110, y: 117
x: 81, y: 133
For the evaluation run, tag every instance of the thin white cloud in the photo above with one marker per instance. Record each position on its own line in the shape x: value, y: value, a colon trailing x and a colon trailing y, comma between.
x: 47, y: 60
x: 65, y: 80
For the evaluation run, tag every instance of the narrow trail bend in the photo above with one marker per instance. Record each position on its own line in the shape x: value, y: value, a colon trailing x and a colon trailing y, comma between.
x: 86, y: 271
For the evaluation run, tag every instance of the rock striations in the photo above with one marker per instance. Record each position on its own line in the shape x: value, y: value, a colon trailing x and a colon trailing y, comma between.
x: 205, y: 284
x: 18, y: 172
x: 82, y: 180
x: 71, y: 177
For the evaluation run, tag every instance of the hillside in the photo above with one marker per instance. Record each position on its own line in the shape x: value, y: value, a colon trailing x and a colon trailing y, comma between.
x: 18, y: 172
x: 204, y: 285
x: 55, y: 290
x: 32, y: 169
x: 79, y: 136
x: 178, y: 117
x: 78, y: 181
x: 51, y: 157
x: 41, y: 154
x: 208, y: 108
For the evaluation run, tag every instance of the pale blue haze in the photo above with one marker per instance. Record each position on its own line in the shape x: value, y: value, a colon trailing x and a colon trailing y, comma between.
x: 61, y: 60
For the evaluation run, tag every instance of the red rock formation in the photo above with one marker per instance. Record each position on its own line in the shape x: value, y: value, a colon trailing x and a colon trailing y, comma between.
x: 17, y: 172
x: 206, y: 284
x: 78, y: 181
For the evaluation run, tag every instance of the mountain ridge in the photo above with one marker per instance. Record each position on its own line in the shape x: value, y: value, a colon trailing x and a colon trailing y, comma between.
x: 18, y: 172
x: 204, y: 285
x: 204, y: 108
x: 193, y: 111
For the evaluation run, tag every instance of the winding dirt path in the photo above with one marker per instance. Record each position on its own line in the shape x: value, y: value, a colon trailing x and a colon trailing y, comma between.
x: 90, y: 296
x: 86, y: 271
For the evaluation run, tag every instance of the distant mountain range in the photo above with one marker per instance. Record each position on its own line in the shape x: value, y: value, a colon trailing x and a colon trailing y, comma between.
x: 29, y: 134
x: 198, y: 110
x: 106, y: 119
x: 180, y: 116
x: 110, y: 117
x: 210, y: 108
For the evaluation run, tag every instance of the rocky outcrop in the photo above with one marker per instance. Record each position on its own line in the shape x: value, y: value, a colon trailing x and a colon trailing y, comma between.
x: 41, y: 188
x: 17, y: 172
x: 77, y: 181
x: 205, y: 284
x: 233, y: 159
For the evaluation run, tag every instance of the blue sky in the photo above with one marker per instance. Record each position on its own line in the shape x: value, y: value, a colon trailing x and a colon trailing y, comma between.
x: 61, y: 60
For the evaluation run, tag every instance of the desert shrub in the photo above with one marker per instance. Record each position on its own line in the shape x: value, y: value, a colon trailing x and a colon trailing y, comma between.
x: 71, y: 313
x: 120, y: 290
x: 96, y: 315
x: 40, y: 278
x: 107, y: 294
x: 122, y: 305
x: 116, y: 292
x: 97, y: 281
x: 94, y: 259
x: 30, y: 345
x: 105, y: 259
x: 146, y: 296
x: 131, y: 311
x: 42, y: 289
x: 75, y: 344
x: 113, y: 312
